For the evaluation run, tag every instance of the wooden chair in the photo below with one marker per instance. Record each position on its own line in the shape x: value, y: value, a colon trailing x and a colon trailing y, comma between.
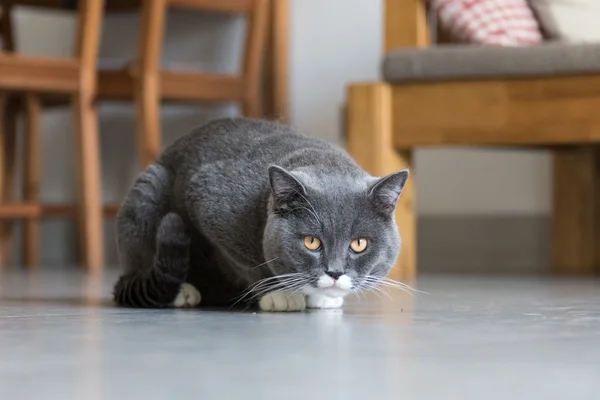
x: 32, y: 78
x: 546, y: 97
x: 148, y: 85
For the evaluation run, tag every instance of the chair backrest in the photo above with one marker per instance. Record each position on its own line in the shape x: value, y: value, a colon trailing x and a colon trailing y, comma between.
x: 406, y: 24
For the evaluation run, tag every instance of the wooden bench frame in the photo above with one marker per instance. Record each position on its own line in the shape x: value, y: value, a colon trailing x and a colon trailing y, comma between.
x: 388, y: 121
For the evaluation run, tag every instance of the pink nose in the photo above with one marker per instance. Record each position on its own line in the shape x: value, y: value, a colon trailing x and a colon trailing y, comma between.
x: 335, y: 275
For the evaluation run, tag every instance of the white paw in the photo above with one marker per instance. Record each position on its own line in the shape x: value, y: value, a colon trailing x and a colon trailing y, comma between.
x: 282, y: 301
x: 317, y: 301
x: 188, y: 296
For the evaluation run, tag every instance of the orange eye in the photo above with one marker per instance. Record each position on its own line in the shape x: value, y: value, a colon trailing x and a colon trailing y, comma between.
x: 312, y: 243
x: 358, y: 245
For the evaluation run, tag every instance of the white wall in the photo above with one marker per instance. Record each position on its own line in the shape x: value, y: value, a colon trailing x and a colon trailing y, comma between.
x: 333, y: 42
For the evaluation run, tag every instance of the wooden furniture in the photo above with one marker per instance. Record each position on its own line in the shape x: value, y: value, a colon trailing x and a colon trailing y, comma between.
x: 267, y: 16
x: 33, y: 78
x: 540, y: 97
x: 147, y: 84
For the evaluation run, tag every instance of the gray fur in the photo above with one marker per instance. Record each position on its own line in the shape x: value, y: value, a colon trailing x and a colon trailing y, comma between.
x: 237, y: 193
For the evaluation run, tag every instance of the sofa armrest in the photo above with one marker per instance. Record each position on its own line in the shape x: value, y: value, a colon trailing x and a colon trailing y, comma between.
x: 406, y: 24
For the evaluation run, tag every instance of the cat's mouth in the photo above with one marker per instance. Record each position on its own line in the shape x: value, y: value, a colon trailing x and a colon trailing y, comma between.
x: 331, y: 286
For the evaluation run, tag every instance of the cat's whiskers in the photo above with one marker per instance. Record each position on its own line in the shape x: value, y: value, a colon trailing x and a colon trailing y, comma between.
x: 273, y: 286
x: 315, y: 216
x: 262, y: 283
x: 274, y: 283
x: 375, y: 283
x: 300, y: 287
x: 374, y: 288
x: 265, y: 263
x: 294, y: 289
x: 265, y: 283
x: 314, y: 212
x: 371, y: 289
x: 360, y: 294
x: 371, y: 282
x: 400, y: 285
x: 274, y: 277
x: 289, y: 284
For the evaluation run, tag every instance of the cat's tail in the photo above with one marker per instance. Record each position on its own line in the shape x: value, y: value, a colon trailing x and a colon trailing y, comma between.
x: 157, y: 286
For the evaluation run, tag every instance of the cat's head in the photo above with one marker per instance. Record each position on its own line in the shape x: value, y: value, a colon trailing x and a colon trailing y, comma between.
x: 331, y: 235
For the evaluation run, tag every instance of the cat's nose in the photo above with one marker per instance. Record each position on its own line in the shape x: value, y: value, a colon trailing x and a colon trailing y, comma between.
x: 334, y: 274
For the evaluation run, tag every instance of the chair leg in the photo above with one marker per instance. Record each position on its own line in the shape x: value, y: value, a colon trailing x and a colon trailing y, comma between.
x: 147, y: 101
x: 370, y: 143
x: 10, y: 110
x: 256, y: 40
x: 86, y: 134
x: 31, y: 227
x: 277, y: 93
x: 147, y: 85
x: 576, y: 211
x: 89, y: 180
x: 9, y: 122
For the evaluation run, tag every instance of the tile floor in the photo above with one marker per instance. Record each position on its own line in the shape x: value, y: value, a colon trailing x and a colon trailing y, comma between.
x: 469, y: 338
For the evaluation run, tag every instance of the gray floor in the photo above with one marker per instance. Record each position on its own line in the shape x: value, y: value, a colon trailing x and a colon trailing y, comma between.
x: 469, y: 338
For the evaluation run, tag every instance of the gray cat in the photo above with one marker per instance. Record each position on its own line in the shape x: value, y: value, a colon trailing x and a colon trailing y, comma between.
x: 245, y: 211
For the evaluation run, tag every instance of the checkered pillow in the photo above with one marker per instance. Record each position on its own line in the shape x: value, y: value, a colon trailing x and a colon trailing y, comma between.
x: 489, y: 22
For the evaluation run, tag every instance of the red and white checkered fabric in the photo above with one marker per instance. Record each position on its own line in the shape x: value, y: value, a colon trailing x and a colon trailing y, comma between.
x: 489, y: 22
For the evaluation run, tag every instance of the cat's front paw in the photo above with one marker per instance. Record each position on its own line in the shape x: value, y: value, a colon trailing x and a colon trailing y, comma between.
x: 317, y: 301
x: 188, y: 296
x: 282, y: 301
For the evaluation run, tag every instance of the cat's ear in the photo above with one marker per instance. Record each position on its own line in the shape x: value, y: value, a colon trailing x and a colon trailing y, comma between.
x: 386, y: 191
x: 286, y: 188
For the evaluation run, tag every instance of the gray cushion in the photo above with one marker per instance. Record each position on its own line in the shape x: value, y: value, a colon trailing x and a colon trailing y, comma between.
x: 481, y: 62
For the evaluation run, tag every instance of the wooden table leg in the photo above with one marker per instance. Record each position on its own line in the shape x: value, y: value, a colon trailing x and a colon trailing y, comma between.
x: 576, y: 211
x: 370, y: 143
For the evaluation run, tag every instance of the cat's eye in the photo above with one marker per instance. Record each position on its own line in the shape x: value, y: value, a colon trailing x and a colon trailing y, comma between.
x: 358, y: 245
x: 312, y: 243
